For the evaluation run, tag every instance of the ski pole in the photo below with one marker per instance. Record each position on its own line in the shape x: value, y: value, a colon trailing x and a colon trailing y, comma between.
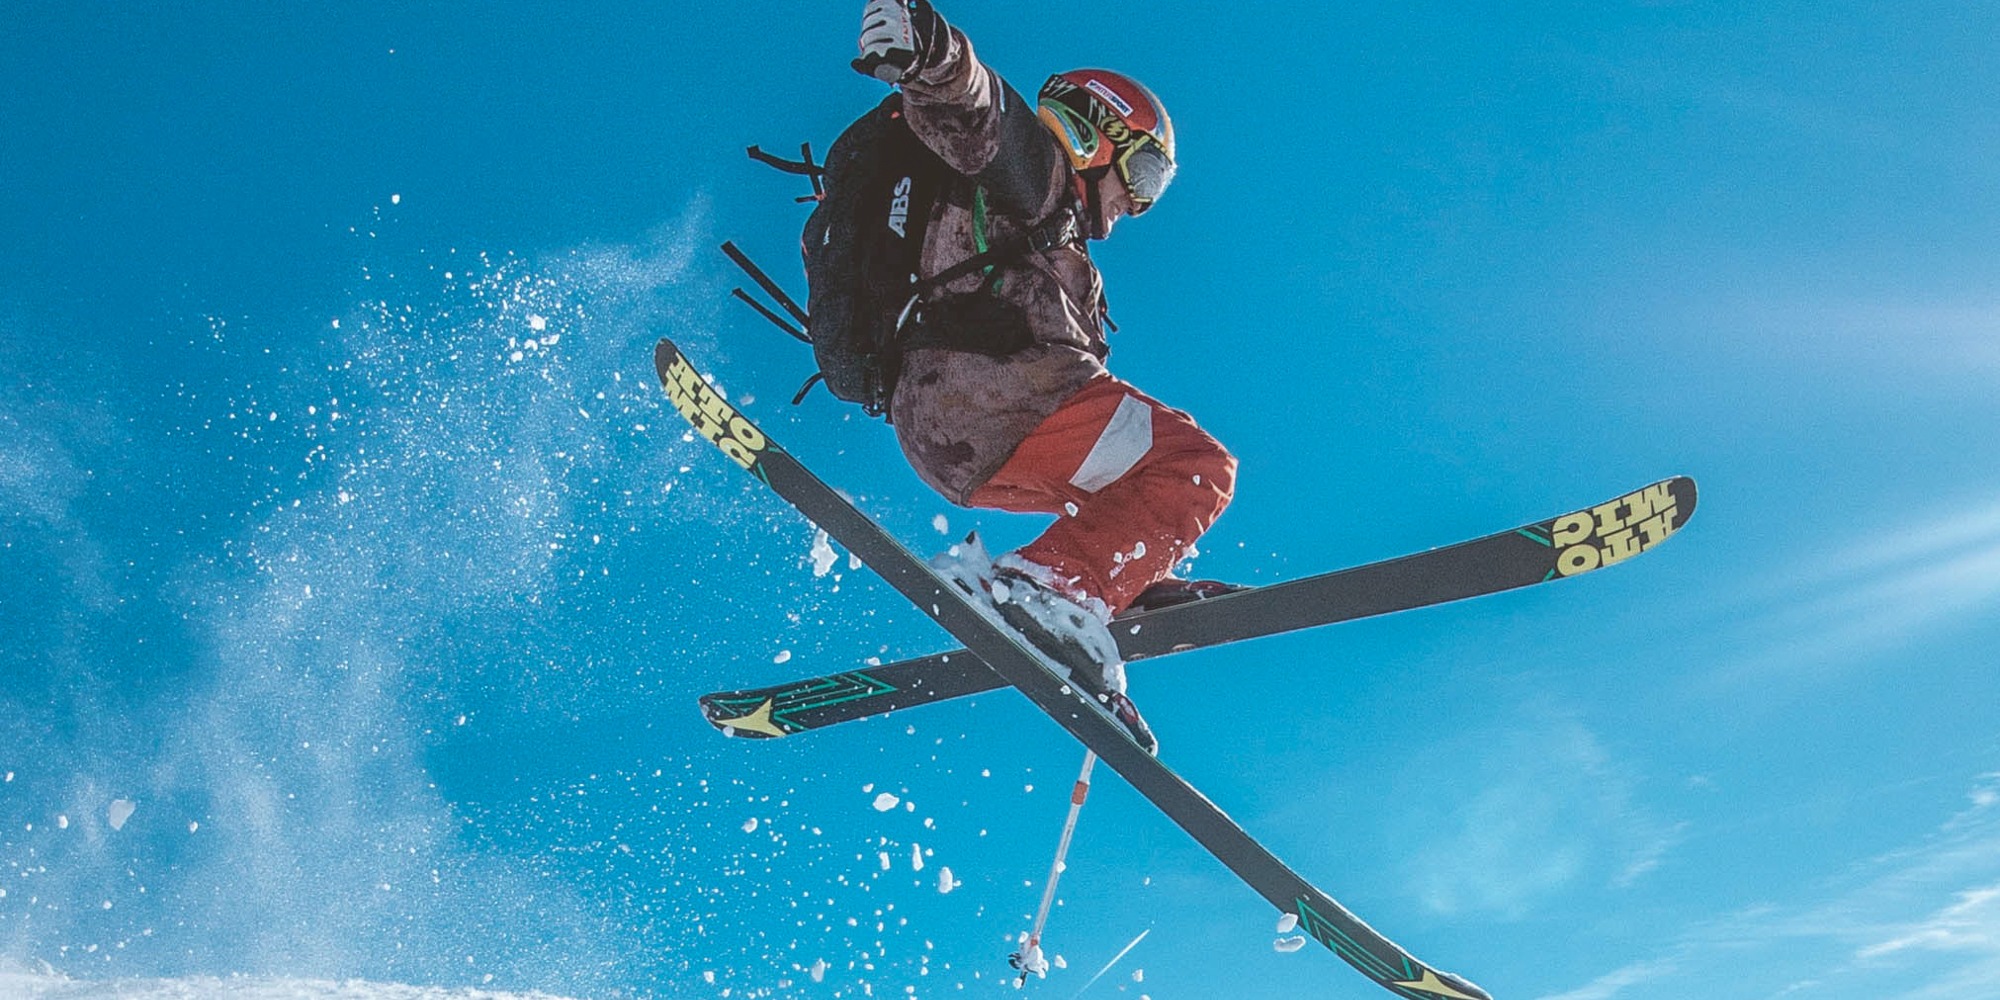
x: 1029, y: 958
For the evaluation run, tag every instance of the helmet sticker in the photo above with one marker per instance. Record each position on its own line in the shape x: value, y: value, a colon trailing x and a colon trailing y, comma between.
x: 1110, y: 96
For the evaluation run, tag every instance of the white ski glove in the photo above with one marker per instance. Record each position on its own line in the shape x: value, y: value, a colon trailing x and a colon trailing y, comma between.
x: 895, y: 37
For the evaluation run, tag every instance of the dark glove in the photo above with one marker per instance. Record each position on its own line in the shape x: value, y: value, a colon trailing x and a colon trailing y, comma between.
x: 899, y: 38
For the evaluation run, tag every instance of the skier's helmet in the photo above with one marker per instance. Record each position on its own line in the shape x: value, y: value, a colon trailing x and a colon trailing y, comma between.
x: 1106, y: 119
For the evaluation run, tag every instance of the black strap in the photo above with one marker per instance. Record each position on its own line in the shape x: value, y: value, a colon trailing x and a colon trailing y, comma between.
x: 770, y: 287
x: 776, y: 320
x: 803, y: 166
x: 1059, y: 229
x: 816, y: 379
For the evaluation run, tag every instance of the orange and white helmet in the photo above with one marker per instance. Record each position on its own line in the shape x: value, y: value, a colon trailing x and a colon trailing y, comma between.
x: 1106, y: 119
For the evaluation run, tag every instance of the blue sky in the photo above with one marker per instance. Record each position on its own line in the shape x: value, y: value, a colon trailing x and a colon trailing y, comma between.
x: 347, y: 538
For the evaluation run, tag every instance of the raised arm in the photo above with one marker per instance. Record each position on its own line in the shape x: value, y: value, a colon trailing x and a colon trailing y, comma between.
x: 960, y: 108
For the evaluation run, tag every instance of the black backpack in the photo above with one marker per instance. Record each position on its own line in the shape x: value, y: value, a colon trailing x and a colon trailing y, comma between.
x: 863, y: 246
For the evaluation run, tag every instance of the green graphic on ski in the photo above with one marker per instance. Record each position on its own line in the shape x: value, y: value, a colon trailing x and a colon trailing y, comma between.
x: 1340, y: 931
x: 1555, y: 549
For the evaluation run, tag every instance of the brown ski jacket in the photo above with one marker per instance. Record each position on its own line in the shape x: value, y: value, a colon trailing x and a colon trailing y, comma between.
x: 1015, y: 354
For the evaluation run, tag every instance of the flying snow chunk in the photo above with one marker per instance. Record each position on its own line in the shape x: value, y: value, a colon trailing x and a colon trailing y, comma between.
x: 750, y: 825
x: 916, y: 857
x: 537, y: 323
x: 885, y: 802
x: 1287, y: 922
x: 1290, y: 944
x: 943, y: 526
x: 121, y: 810
x: 784, y: 656
x: 818, y: 971
x: 823, y: 556
x: 946, y: 882
x: 395, y: 199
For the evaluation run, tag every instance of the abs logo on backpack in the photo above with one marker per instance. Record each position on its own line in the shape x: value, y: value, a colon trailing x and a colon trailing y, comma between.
x: 899, y: 209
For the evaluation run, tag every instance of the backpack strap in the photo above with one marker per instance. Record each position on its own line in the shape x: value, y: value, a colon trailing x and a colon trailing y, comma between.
x: 772, y: 289
x: 803, y: 166
x: 1060, y: 229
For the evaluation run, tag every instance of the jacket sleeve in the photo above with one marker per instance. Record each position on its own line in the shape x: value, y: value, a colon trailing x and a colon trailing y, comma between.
x: 984, y: 129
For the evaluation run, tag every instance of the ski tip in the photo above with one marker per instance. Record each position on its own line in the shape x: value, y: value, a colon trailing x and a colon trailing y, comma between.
x: 1616, y: 530
x: 711, y: 415
x: 1684, y: 495
x: 1685, y: 492
x: 663, y: 352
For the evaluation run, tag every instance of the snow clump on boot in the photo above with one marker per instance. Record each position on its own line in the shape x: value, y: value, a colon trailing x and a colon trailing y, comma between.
x: 1074, y: 619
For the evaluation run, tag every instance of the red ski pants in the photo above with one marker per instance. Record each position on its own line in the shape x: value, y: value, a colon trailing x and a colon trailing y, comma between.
x: 1132, y: 482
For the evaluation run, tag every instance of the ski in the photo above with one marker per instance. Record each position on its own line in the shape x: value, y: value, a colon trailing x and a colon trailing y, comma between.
x: 1340, y: 931
x: 1555, y: 549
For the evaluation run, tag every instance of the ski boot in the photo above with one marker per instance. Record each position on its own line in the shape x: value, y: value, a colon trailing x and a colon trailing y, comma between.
x: 1173, y: 590
x: 1075, y: 636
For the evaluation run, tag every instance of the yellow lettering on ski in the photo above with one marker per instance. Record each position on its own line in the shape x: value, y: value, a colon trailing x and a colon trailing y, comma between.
x: 1614, y: 532
x: 712, y: 416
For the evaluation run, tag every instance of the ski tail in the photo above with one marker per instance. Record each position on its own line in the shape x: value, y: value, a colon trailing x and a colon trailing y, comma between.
x: 764, y: 713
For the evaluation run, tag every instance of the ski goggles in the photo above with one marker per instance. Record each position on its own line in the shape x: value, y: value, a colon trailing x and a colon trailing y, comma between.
x: 1146, y: 169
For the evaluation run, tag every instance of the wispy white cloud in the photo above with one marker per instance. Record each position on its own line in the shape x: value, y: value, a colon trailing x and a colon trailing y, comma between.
x: 1650, y: 855
x: 1972, y: 923
x: 1897, y: 582
x: 1919, y: 923
x: 1873, y: 339
x: 1547, y: 807
x: 1617, y: 981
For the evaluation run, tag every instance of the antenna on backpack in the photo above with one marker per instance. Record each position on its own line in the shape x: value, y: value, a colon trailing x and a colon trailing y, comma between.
x: 771, y: 288
x: 803, y: 166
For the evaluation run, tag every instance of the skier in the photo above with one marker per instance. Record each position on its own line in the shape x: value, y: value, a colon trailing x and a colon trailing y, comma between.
x: 1003, y: 400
